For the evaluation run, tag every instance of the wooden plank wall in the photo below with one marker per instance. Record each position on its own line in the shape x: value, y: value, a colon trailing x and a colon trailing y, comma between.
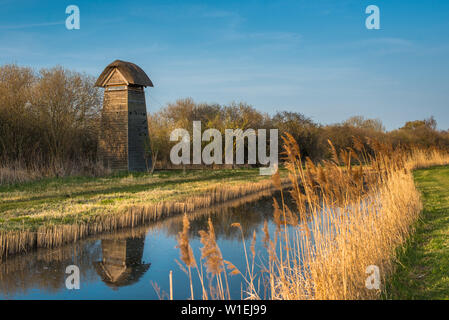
x: 113, y: 142
x: 124, y: 127
x: 137, y: 129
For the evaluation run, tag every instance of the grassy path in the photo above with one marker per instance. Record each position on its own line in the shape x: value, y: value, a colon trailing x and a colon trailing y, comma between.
x: 423, y: 268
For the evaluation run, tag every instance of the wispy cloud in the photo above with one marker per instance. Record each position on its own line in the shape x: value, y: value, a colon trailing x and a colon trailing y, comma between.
x: 233, y: 19
x: 380, y: 46
x: 397, y: 42
x: 266, y: 36
x: 31, y: 25
x: 219, y: 14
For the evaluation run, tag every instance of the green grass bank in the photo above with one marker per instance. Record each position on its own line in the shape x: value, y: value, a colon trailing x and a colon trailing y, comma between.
x: 423, y: 266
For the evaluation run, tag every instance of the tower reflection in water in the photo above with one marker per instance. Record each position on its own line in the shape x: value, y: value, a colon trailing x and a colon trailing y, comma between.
x: 122, y: 264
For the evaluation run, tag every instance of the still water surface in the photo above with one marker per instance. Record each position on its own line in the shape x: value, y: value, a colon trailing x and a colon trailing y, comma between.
x: 129, y: 264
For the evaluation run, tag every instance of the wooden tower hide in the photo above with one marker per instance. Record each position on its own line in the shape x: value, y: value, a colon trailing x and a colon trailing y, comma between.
x: 124, y: 141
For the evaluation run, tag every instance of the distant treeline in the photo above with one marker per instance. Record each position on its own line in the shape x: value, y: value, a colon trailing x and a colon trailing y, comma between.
x: 312, y: 137
x: 50, y: 119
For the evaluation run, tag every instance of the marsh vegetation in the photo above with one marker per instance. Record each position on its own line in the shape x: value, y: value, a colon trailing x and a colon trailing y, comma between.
x: 344, y: 219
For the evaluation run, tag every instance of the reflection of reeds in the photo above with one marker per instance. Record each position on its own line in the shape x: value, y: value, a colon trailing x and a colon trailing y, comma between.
x: 18, y: 273
x: 51, y: 236
x: 223, y: 210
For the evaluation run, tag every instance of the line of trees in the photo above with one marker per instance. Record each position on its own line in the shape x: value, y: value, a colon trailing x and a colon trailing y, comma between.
x: 312, y: 137
x: 50, y: 119
x: 47, y: 118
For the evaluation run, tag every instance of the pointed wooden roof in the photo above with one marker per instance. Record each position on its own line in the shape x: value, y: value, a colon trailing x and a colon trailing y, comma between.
x: 132, y: 73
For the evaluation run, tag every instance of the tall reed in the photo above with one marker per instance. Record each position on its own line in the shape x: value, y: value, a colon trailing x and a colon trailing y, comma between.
x: 352, y: 216
x: 17, y: 172
x: 350, y: 213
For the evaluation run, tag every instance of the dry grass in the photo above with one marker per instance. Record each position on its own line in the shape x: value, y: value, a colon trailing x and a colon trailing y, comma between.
x: 14, y: 172
x: 347, y: 217
x: 351, y: 218
x: 12, y: 175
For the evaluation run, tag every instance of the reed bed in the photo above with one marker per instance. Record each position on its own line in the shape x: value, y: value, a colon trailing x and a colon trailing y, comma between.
x: 351, y: 220
x: 15, y: 172
x: 348, y: 220
x: 11, y: 175
x: 50, y: 236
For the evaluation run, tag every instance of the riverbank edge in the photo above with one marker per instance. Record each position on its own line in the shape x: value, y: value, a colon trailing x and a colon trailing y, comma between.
x: 399, y: 285
x: 14, y: 242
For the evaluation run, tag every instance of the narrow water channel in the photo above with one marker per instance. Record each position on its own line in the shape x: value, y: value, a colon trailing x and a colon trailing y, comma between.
x: 132, y: 263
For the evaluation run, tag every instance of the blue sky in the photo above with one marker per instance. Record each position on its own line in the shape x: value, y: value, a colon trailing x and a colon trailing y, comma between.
x: 315, y: 57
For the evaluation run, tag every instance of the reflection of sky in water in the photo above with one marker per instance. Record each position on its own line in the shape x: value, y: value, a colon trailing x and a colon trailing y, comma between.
x: 41, y: 274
